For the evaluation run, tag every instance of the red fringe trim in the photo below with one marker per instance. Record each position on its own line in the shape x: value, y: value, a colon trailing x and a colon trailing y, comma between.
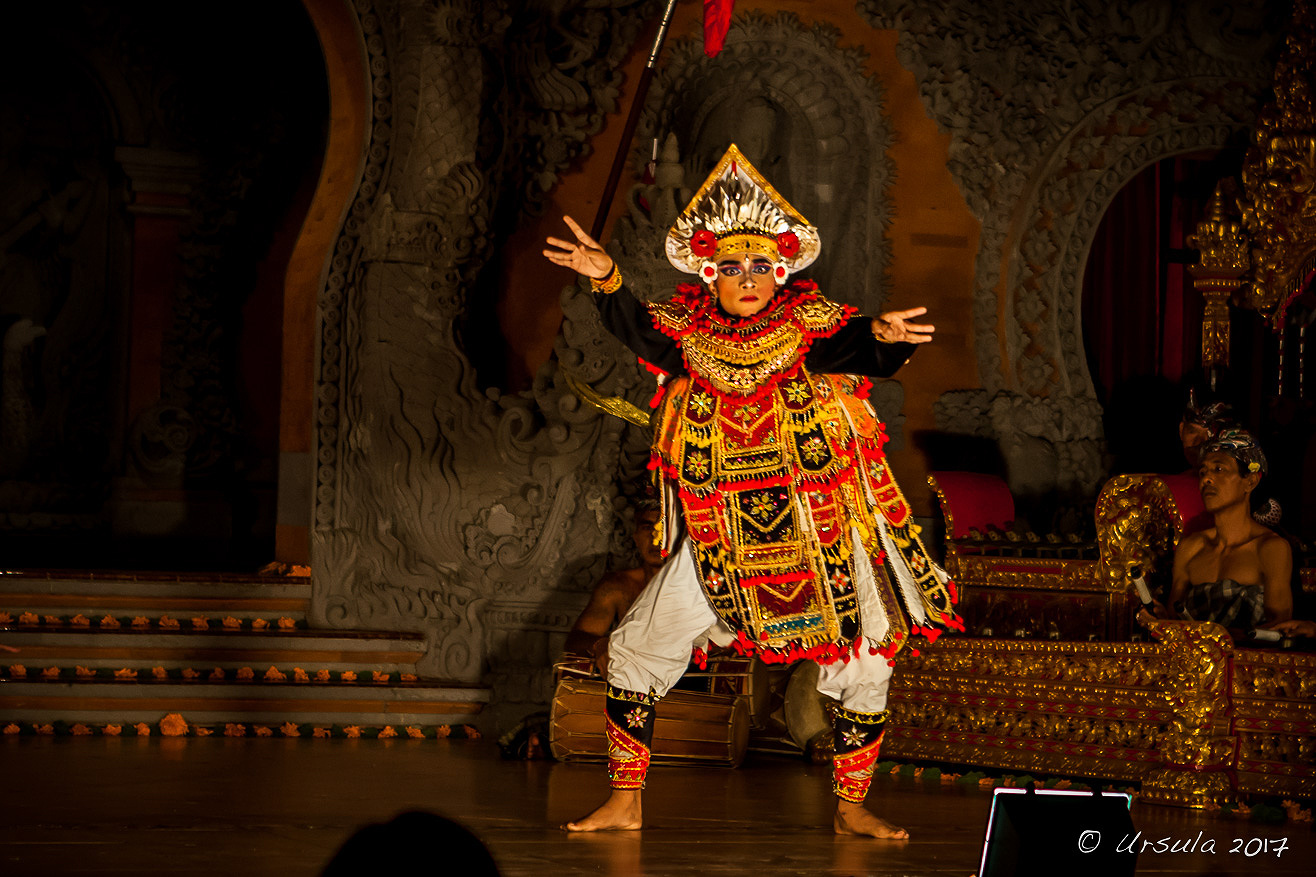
x: 779, y: 578
x: 825, y: 653
x: 860, y: 392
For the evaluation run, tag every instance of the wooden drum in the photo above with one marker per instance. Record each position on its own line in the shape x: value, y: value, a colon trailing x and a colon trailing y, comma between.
x: 691, y: 726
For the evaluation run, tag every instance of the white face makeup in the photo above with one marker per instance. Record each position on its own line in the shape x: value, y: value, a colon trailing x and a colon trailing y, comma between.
x: 744, y: 284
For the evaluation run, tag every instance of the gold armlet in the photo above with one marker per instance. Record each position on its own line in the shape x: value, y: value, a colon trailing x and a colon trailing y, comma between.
x: 608, y: 285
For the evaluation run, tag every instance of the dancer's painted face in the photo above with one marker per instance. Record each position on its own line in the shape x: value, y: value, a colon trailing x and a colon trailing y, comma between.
x: 744, y: 284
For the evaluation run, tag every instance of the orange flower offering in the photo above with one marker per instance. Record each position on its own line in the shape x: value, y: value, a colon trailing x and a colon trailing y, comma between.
x: 18, y: 671
x: 11, y: 729
x: 141, y: 621
x: 50, y: 673
x: 415, y: 733
x: 80, y: 730
x: 259, y: 624
x: 321, y: 732
x: 173, y: 725
x: 109, y: 621
x: 84, y: 671
x: 472, y: 732
x: 167, y: 623
x: 80, y: 620
x: 44, y: 730
x: 29, y: 618
x: 286, y: 623
x: 125, y: 673
x: 246, y: 674
x: 273, y: 675
x: 6, y: 618
x: 190, y: 674
x: 142, y: 729
x: 201, y: 732
x: 52, y: 619
x: 299, y: 675
x: 348, y: 676
x: 387, y: 732
x: 301, y: 572
x: 216, y: 675
x: 288, y: 729
x: 352, y: 731
x: 379, y: 678
x: 321, y: 675
x: 408, y: 677
x: 233, y: 729
x: 200, y: 624
x: 442, y: 731
x: 231, y: 623
x: 112, y: 730
x: 262, y: 731
x: 159, y: 672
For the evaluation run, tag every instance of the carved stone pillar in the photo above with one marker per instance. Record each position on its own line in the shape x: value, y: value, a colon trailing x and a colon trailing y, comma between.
x: 1218, y: 275
x: 149, y: 500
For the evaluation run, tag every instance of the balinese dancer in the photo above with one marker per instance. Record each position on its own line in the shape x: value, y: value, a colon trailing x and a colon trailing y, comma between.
x: 785, y: 535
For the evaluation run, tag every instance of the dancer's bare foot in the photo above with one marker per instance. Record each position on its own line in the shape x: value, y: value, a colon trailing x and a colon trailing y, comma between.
x: 853, y: 818
x: 621, y: 812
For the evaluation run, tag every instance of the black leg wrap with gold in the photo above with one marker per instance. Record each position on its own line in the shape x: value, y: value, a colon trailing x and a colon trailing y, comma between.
x: 630, y: 717
x: 858, y: 740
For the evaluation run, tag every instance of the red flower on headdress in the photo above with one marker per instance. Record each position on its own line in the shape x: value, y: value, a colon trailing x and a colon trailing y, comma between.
x: 703, y: 243
x: 788, y: 244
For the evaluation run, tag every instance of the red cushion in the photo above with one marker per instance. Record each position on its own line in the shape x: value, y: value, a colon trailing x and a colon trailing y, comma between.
x: 971, y: 500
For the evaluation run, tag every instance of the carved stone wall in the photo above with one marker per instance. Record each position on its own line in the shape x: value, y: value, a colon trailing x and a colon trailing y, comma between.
x: 1052, y: 107
x: 479, y: 518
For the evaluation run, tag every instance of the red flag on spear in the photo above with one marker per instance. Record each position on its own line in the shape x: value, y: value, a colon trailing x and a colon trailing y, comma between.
x: 717, y: 21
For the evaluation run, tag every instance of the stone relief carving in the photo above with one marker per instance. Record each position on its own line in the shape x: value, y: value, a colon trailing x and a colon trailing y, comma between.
x: 1052, y: 108
x: 799, y: 105
x: 440, y: 507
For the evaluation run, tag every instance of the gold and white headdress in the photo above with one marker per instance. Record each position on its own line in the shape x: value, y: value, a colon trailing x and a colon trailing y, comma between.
x: 737, y: 211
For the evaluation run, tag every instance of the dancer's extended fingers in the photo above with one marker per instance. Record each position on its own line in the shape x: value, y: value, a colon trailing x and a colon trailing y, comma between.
x: 580, y: 234
x: 569, y: 246
x: 927, y: 328
x: 918, y: 339
x: 558, y: 258
x: 905, y: 315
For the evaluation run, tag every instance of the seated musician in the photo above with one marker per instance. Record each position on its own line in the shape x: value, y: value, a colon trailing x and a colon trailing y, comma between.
x: 615, y: 593
x: 1236, y: 571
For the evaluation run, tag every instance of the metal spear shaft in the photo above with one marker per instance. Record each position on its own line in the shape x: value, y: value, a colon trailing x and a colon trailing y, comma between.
x: 628, y: 133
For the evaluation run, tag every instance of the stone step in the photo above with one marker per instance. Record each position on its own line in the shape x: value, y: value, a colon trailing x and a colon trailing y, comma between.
x: 96, y: 703
x: 312, y: 650
x: 125, y: 596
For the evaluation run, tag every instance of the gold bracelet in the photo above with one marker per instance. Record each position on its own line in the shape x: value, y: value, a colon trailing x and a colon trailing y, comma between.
x: 608, y: 285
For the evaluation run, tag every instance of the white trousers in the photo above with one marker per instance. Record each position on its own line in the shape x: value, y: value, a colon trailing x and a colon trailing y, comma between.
x: 650, y: 649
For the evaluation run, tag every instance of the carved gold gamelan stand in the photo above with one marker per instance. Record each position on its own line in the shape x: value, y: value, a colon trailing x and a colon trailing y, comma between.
x: 1195, y: 719
x: 1197, y: 746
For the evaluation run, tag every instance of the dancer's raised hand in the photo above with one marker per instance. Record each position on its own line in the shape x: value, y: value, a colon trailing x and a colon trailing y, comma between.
x: 893, y: 326
x: 584, y: 256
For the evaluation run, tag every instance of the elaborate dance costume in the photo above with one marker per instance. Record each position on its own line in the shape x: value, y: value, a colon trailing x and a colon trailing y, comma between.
x: 786, y: 535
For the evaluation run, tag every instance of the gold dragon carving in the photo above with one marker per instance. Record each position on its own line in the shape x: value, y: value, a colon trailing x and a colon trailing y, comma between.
x: 1137, y: 522
x: 1198, y: 748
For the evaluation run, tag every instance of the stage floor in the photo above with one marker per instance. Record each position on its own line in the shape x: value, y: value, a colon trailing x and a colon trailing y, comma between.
x: 147, y: 806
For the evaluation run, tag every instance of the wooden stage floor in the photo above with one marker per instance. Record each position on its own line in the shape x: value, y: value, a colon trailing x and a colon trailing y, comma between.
x: 148, y: 806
